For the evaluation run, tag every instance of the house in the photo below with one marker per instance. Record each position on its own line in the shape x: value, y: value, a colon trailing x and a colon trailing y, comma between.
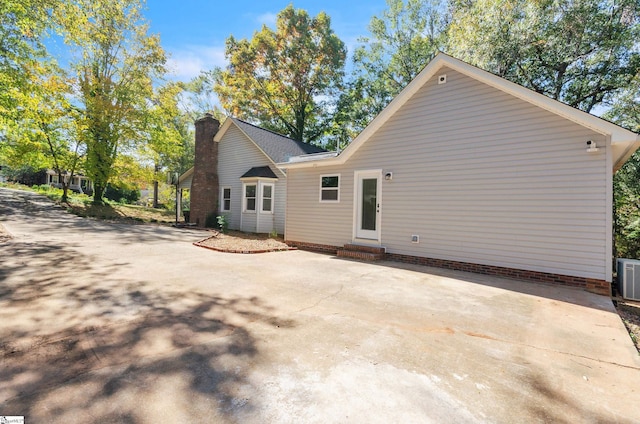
x: 235, y: 174
x: 79, y: 183
x: 468, y: 171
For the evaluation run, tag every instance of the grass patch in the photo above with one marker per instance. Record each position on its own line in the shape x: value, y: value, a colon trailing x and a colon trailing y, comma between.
x: 120, y: 212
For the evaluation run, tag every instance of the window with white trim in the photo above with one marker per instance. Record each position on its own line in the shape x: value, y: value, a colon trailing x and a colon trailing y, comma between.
x: 267, y: 198
x: 250, y: 197
x: 226, y: 199
x: 330, y: 188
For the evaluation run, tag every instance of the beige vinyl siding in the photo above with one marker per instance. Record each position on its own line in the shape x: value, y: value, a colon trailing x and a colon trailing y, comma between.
x: 481, y: 177
x: 279, y: 202
x: 313, y: 221
x: 236, y: 155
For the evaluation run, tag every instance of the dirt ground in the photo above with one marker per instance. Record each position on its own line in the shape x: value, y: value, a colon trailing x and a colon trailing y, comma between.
x: 238, y: 242
x: 630, y: 314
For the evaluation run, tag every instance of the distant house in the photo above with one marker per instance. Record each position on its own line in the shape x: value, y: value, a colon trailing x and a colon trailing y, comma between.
x: 79, y: 183
x: 466, y: 170
x: 236, y: 174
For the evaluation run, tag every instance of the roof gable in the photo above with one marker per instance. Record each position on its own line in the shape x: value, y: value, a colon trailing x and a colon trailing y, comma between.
x: 275, y: 146
x: 627, y: 140
x: 260, y: 172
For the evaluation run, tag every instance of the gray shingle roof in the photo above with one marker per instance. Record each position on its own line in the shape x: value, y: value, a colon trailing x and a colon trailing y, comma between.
x: 259, y: 172
x: 278, y: 147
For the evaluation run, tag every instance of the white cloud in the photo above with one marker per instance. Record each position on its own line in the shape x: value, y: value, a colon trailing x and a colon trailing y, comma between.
x: 188, y: 62
x: 268, y: 19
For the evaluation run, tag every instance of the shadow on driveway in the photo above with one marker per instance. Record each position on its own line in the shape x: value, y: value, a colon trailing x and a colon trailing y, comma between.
x: 74, y: 339
x: 107, y: 340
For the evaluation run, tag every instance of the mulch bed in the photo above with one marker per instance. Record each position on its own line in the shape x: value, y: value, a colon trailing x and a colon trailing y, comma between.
x: 239, y: 242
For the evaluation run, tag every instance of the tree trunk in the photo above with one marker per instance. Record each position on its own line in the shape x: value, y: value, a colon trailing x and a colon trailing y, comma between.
x: 65, y: 188
x: 98, y: 192
x: 155, y: 194
x: 155, y: 187
x: 63, y: 183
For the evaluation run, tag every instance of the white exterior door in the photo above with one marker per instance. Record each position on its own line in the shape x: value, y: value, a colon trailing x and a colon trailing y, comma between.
x: 368, y: 202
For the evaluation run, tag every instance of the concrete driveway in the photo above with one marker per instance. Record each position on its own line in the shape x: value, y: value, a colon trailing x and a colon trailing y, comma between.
x: 132, y: 324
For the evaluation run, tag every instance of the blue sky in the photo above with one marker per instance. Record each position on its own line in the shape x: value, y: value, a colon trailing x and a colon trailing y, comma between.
x: 193, y: 32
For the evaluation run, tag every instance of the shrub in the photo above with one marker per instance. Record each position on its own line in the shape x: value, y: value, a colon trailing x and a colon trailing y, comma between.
x: 122, y: 193
x: 211, y: 221
x: 26, y: 175
x: 220, y: 222
x: 223, y: 224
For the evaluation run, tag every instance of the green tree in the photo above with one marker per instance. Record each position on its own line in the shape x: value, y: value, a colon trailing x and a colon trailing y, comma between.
x: 171, y: 145
x: 55, y: 127
x: 198, y: 97
x: 401, y: 42
x: 626, y: 182
x: 582, y: 53
x: 626, y: 194
x: 46, y: 134
x: 23, y: 24
x: 286, y: 79
x: 117, y: 64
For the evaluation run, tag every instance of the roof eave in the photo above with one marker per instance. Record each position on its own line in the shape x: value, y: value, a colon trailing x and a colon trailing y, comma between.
x: 617, y: 133
x: 629, y: 151
x: 186, y: 175
x: 259, y: 178
x: 311, y: 163
x: 379, y: 120
x: 225, y: 126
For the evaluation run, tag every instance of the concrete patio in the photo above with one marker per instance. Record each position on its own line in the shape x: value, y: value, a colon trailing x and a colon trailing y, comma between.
x: 121, y: 323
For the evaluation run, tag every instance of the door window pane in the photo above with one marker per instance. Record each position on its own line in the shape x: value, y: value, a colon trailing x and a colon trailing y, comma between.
x: 369, y: 203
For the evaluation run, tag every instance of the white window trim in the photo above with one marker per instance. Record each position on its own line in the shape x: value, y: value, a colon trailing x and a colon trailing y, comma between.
x: 244, y: 197
x: 273, y: 190
x: 222, y: 189
x: 330, y: 188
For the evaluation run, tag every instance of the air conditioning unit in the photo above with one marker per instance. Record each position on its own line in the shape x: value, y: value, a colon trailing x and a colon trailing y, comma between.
x: 629, y: 278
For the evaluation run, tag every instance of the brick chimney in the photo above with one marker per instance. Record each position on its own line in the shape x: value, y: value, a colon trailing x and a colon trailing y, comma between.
x: 204, y: 186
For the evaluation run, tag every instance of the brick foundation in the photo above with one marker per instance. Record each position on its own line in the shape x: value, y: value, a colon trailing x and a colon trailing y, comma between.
x: 313, y: 247
x: 589, y: 284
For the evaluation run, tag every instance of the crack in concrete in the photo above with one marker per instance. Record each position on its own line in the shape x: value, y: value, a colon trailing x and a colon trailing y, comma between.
x: 321, y: 300
x: 552, y: 350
